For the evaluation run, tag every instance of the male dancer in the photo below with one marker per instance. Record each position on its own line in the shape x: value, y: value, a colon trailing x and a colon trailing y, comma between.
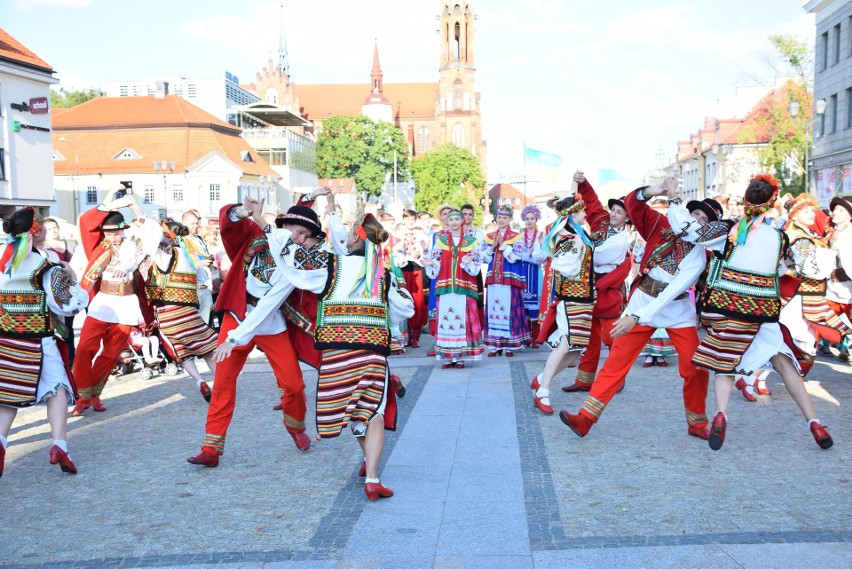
x: 658, y: 300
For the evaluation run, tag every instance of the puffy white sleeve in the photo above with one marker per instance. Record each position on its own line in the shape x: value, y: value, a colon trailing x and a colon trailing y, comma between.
x: 539, y: 253
x: 400, y: 303
x: 514, y: 251
x: 711, y: 235
x: 313, y: 280
x: 687, y: 274
x: 271, y: 301
x: 568, y: 263
x: 811, y: 261
x: 613, y: 250
x: 337, y: 234
x: 435, y: 255
x: 64, y: 295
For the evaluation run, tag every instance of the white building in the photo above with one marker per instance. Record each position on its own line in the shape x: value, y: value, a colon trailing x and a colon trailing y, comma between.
x: 26, y: 166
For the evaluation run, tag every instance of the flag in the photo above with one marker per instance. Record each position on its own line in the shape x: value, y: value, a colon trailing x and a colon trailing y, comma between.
x: 541, y: 165
x: 606, y: 176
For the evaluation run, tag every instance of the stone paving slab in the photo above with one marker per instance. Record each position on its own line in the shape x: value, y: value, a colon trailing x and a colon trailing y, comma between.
x: 481, y: 480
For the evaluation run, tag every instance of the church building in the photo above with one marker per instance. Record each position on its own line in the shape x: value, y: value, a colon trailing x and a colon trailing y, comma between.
x: 429, y: 114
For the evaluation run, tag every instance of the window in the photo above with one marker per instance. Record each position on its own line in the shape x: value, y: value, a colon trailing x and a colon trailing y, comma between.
x: 177, y: 194
x: 2, y: 164
x: 849, y: 108
x: 150, y: 195
x: 824, y: 45
x: 215, y: 193
x: 458, y: 101
x: 271, y: 96
x: 836, y: 44
x: 832, y: 108
x: 424, y: 142
x: 91, y: 195
x: 127, y: 154
x: 458, y: 135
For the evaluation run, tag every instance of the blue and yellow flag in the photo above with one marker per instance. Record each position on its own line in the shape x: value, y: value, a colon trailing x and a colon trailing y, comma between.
x: 541, y: 165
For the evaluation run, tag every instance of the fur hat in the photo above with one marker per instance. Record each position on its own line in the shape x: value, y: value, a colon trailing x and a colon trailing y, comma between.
x: 304, y: 216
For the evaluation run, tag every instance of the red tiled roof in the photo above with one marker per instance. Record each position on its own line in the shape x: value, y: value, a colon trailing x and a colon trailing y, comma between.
x: 145, y: 112
x: 338, y: 185
x: 156, y: 129
x: 11, y: 49
x: 505, y: 191
x: 409, y: 100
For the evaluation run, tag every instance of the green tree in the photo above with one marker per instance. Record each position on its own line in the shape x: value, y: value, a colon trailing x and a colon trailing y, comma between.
x: 62, y: 99
x: 448, y: 174
x: 796, y: 54
x: 363, y: 149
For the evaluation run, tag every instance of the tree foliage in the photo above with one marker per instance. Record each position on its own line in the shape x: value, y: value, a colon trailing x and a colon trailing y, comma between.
x: 783, y: 136
x: 62, y: 99
x: 796, y: 54
x: 448, y: 174
x: 361, y: 148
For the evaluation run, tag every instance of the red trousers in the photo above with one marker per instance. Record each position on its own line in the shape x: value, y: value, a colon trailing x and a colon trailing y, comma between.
x: 588, y: 366
x: 90, y: 373
x: 279, y: 351
x: 622, y: 356
x: 414, y: 285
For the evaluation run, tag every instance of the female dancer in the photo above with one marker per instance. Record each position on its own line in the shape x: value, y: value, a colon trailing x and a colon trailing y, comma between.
x: 33, y: 362
x: 172, y: 290
x: 569, y: 319
x: 357, y: 300
x: 531, y: 269
x: 453, y: 264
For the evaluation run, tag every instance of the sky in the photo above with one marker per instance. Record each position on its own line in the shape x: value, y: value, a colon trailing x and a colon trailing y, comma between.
x: 604, y: 84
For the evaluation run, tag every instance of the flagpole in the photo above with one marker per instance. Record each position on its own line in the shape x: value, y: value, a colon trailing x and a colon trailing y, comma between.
x: 525, y: 174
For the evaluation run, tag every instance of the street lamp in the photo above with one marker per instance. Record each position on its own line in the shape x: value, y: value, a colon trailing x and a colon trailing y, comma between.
x: 76, y: 177
x: 167, y: 167
x: 794, y: 112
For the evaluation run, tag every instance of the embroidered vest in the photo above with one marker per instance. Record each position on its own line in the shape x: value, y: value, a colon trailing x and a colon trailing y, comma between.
x: 345, y: 321
x: 808, y: 286
x: 176, y: 286
x: 580, y: 288
x: 452, y: 278
x: 23, y: 303
x: 501, y: 271
x: 743, y: 292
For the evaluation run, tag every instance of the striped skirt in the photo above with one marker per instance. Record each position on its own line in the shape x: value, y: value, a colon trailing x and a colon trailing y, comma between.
x: 184, y: 333
x: 351, y: 387
x: 573, y: 321
x: 726, y: 341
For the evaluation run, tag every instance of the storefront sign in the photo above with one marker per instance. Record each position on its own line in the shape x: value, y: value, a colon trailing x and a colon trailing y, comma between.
x: 39, y: 106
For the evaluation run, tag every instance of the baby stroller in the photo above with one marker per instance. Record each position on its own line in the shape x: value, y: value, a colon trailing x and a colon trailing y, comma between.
x: 136, y: 351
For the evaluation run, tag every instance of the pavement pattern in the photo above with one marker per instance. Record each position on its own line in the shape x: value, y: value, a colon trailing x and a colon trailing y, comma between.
x: 481, y: 479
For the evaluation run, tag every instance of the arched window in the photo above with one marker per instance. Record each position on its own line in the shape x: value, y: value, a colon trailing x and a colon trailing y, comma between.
x: 458, y: 99
x: 271, y: 96
x: 424, y: 142
x: 458, y: 135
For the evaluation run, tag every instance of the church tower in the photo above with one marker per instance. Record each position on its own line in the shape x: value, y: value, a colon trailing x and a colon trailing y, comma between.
x: 457, y: 110
x: 376, y: 105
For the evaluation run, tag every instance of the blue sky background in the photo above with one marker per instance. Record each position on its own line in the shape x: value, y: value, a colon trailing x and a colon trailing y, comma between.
x: 604, y: 84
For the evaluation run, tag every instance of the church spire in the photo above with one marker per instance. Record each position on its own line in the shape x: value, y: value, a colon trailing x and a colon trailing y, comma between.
x: 283, y: 61
x: 376, y: 72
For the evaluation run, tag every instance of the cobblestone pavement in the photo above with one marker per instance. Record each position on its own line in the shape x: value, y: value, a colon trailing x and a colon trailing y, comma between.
x: 481, y: 480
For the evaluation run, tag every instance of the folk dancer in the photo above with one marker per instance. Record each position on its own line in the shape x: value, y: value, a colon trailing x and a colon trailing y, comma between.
x: 568, y: 322
x: 172, y: 289
x: 116, y: 291
x: 452, y: 264
x: 658, y: 300
x: 505, y: 320
x: 357, y: 300
x: 612, y: 266
x: 441, y: 213
x: 467, y: 212
x: 740, y: 305
x: 408, y: 253
x: 806, y: 313
x: 838, y: 295
x: 531, y: 239
x: 246, y: 243
x: 34, y: 364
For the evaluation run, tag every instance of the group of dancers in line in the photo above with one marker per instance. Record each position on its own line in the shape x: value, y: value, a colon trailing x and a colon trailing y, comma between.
x: 343, y: 301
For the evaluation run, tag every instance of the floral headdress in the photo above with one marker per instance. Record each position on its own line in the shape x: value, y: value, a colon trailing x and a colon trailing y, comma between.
x: 754, y: 212
x: 531, y: 209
